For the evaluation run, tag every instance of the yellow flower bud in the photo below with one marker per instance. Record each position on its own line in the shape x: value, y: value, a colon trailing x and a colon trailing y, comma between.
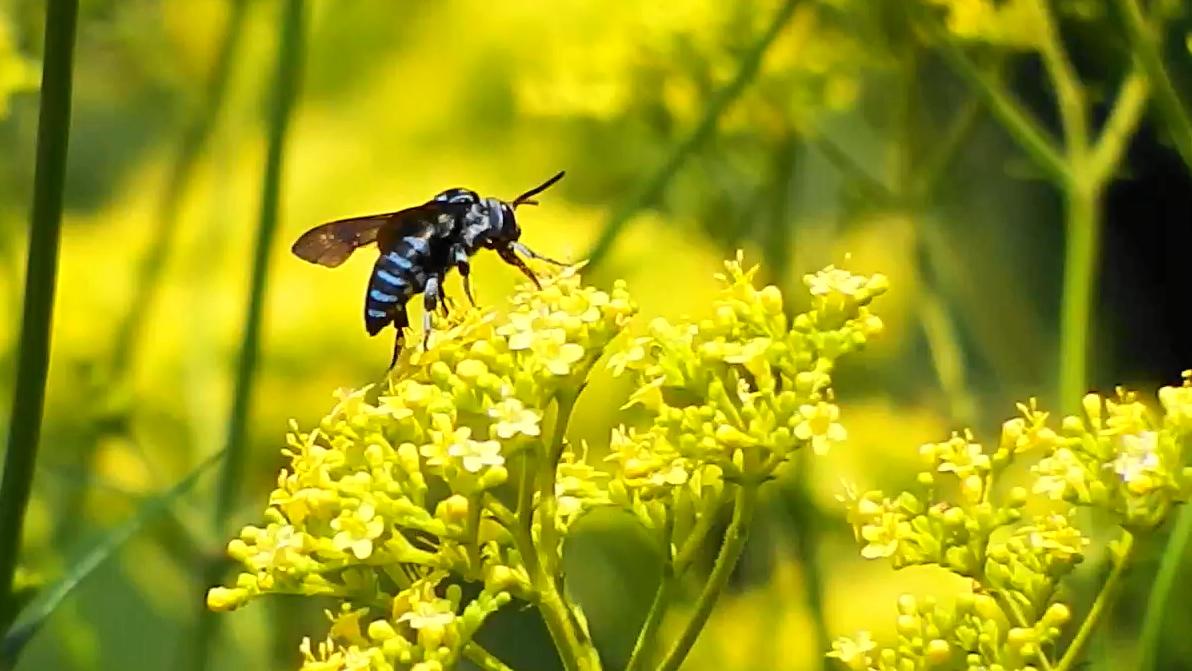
x: 938, y: 652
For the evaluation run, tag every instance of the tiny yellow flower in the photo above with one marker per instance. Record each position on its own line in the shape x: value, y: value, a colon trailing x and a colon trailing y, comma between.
x: 819, y: 425
x: 476, y: 455
x: 357, y: 529
x: 512, y: 418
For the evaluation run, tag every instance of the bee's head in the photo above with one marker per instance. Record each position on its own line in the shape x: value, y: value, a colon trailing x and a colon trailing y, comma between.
x: 502, y: 222
x: 502, y: 219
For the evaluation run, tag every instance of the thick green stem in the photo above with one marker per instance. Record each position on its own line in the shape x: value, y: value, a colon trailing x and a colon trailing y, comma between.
x: 730, y: 552
x: 1160, y: 596
x: 1100, y: 606
x: 575, y: 650
x: 285, y: 93
x: 724, y: 98
x: 1145, y: 44
x: 658, y: 608
x: 24, y: 431
x: 1081, y: 255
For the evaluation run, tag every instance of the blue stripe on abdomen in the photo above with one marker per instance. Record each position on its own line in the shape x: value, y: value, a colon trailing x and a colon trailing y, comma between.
x: 381, y: 296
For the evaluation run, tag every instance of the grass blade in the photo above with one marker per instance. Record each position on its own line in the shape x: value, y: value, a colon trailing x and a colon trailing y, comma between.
x: 285, y: 92
x: 53, y: 134
x: 49, y: 598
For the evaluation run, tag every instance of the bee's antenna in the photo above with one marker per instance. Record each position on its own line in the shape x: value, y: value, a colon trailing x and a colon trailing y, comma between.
x: 527, y: 198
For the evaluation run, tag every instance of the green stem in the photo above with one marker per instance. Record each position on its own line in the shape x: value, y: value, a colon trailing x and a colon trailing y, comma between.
x: 720, y: 102
x: 1100, y: 606
x: 285, y: 93
x: 695, y: 538
x: 661, y: 602
x: 484, y: 659
x: 806, y: 530
x: 190, y: 146
x: 1081, y: 253
x: 577, y: 653
x: 45, y: 224
x: 1145, y: 44
x: 730, y: 552
x: 658, y: 608
x: 1156, y: 603
x: 1119, y: 127
x: 1069, y: 91
x: 1008, y: 110
x: 151, y: 267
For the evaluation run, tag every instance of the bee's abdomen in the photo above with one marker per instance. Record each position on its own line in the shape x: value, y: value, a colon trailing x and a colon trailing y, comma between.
x: 397, y: 275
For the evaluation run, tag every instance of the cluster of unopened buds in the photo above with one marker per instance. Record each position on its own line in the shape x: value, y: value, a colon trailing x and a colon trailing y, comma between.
x: 1120, y: 456
x: 458, y: 467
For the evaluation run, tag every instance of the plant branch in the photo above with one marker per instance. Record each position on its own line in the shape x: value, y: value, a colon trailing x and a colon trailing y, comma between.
x: 484, y: 659
x: 730, y: 552
x: 720, y: 102
x: 1082, y: 250
x: 1022, y: 126
x: 1123, y: 120
x: 1145, y: 43
x: 45, y: 225
x: 1160, y: 596
x: 1100, y: 606
x: 1070, y: 95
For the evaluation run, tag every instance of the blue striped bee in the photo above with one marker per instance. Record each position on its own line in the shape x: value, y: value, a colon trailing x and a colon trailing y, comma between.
x: 419, y: 246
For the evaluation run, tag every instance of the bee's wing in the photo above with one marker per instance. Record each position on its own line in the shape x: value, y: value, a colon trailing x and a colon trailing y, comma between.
x: 332, y: 243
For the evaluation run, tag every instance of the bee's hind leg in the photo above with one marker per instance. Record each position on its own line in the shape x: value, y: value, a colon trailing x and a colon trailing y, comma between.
x: 526, y: 251
x: 400, y: 321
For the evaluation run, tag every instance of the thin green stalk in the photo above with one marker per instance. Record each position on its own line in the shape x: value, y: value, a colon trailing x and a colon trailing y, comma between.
x: 807, y: 522
x: 1022, y: 126
x: 1100, y: 606
x: 1081, y: 254
x: 1145, y: 43
x: 695, y: 538
x: 654, y: 617
x: 45, y: 223
x: 1160, y: 596
x: 1119, y: 127
x: 720, y: 102
x: 484, y: 659
x: 190, y: 147
x: 575, y: 650
x: 661, y: 602
x: 152, y: 264
x: 285, y: 93
x: 730, y: 552
x: 1069, y: 91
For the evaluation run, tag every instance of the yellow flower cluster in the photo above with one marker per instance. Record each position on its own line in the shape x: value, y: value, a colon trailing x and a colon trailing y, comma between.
x: 1118, y: 457
x: 729, y: 398
x: 402, y: 486
x: 1017, y: 24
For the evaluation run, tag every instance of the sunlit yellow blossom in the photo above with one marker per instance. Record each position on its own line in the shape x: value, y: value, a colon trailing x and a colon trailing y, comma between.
x: 819, y: 426
x: 357, y: 530
x: 513, y: 418
x: 854, y: 652
x: 476, y: 454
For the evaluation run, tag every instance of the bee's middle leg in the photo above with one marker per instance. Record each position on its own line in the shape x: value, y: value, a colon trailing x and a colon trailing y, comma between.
x: 430, y: 300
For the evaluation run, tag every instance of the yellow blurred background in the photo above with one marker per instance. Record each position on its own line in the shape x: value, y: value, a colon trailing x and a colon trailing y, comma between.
x: 399, y: 100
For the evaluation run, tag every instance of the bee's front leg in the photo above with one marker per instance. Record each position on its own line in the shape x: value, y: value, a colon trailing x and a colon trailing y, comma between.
x: 526, y: 251
x: 507, y: 255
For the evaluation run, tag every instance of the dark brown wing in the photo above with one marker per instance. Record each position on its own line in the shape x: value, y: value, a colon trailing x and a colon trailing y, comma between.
x: 332, y: 243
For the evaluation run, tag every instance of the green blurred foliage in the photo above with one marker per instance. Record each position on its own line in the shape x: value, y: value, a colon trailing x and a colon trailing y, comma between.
x: 401, y: 100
